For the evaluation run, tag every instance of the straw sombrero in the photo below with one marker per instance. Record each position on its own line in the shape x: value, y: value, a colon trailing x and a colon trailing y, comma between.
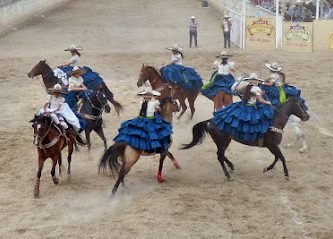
x: 175, y: 47
x: 149, y: 93
x: 193, y: 17
x: 276, y: 67
x: 226, y: 17
x: 56, y: 89
x: 77, y: 70
x: 224, y: 54
x: 73, y: 47
x: 252, y: 78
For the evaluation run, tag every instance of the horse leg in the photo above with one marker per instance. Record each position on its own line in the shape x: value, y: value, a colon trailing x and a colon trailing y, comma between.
x: 191, y: 97
x: 60, y: 165
x: 230, y: 164
x: 39, y: 174
x: 227, y: 99
x: 278, y: 155
x: 183, y: 105
x: 54, y: 164
x: 218, y: 101
x: 130, y: 157
x: 88, y: 131
x: 270, y: 167
x: 100, y: 133
x: 69, y: 157
x: 159, y: 176
x: 174, y: 161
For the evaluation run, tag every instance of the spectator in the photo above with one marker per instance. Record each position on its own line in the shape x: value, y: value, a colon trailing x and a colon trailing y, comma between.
x: 193, y: 31
x: 226, y: 26
x: 330, y: 13
x: 289, y: 13
x: 299, y: 12
x: 267, y: 4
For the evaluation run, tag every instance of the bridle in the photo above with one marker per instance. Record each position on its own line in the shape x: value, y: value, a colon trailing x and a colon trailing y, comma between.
x: 285, y: 116
x: 95, y: 117
x: 41, y: 138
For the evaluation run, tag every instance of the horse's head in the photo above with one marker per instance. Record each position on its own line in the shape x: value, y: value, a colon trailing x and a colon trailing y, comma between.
x: 299, y: 109
x: 40, y: 124
x: 99, y: 100
x: 38, y: 69
x: 168, y: 106
x: 143, y: 76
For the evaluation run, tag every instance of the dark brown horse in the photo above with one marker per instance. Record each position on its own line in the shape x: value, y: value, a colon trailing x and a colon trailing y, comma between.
x: 149, y: 73
x: 270, y: 140
x: 50, y: 141
x: 50, y: 80
x: 129, y: 156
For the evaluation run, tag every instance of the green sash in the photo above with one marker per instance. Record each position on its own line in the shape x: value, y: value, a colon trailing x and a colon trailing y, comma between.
x: 210, y: 82
x: 283, y: 97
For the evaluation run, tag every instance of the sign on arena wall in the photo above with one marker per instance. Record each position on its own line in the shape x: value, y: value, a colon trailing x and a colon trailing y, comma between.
x: 297, y: 37
x: 260, y: 33
x: 322, y: 35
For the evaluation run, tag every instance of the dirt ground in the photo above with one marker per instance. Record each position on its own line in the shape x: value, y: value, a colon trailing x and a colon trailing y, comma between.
x: 196, y: 201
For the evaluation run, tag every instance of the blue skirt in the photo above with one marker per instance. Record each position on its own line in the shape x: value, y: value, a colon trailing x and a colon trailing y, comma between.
x: 150, y: 135
x: 218, y: 83
x: 185, y: 77
x: 82, y: 121
x: 244, y: 122
x: 273, y: 95
x: 91, y: 79
x: 72, y: 96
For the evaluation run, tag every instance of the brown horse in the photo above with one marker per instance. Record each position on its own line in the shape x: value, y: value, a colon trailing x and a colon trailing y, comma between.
x: 149, y: 73
x: 50, y: 141
x: 50, y: 80
x: 221, y: 100
x: 129, y: 156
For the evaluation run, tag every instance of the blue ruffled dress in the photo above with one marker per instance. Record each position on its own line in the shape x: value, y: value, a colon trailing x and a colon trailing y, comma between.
x: 245, y: 122
x: 185, y: 77
x: 277, y: 95
x: 218, y: 83
x: 152, y: 135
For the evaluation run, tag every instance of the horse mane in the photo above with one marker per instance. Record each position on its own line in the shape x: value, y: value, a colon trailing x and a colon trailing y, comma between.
x: 156, y: 72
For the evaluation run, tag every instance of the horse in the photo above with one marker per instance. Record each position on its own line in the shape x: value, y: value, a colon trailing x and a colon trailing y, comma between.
x: 92, y: 110
x: 50, y: 141
x: 109, y: 162
x: 298, y: 133
x: 49, y: 80
x: 149, y: 73
x: 270, y: 140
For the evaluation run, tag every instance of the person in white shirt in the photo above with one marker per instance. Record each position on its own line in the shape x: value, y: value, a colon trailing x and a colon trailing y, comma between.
x: 226, y: 26
x: 75, y: 87
x: 75, y: 56
x: 219, y: 86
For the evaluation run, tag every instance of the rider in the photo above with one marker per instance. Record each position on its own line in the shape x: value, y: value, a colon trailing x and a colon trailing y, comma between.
x: 249, y: 119
x: 147, y: 132
x: 75, y: 87
x: 59, y: 110
x: 221, y: 79
x: 75, y: 59
x: 275, y: 86
x: 184, y: 77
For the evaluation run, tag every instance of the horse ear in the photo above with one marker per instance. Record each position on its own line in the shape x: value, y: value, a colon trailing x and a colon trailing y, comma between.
x: 43, y: 60
x: 143, y: 65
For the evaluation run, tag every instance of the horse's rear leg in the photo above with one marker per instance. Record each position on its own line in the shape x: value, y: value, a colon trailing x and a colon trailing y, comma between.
x: 174, y: 161
x: 100, y: 133
x: 54, y: 164
x: 60, y: 166
x: 191, y: 97
x: 69, y: 157
x: 218, y: 101
x: 270, y: 167
x: 183, y: 105
x: 87, y: 132
x: 159, y: 176
x: 39, y: 174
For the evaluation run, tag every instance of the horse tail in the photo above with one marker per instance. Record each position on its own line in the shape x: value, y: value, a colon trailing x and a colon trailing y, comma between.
x: 199, y: 131
x: 109, y: 162
x: 118, y: 107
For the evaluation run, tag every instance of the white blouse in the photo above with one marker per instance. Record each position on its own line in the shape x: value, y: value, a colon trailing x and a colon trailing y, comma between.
x: 224, y: 69
x: 74, y: 82
x: 152, y: 106
x: 255, y: 91
x: 54, y: 102
x: 177, y: 59
x: 276, y: 78
x: 75, y: 60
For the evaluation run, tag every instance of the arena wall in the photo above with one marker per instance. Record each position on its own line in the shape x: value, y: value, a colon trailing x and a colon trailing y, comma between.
x: 323, y: 35
x: 14, y: 13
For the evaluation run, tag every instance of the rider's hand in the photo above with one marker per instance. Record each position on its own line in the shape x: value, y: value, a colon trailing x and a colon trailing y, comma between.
x: 84, y: 88
x: 269, y: 103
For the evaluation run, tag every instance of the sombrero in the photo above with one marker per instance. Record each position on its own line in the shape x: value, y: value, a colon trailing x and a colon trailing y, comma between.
x: 276, y: 67
x: 149, y: 93
x: 226, y: 17
x: 193, y: 17
x: 224, y: 54
x: 56, y: 89
x: 175, y: 47
x: 73, y: 47
x: 77, y: 70
x: 252, y: 78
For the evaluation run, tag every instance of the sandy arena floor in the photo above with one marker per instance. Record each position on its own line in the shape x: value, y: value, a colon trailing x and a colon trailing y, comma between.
x: 196, y: 201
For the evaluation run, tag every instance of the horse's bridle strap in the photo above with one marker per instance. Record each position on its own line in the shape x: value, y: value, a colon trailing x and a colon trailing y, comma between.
x: 49, y: 145
x: 91, y: 117
x: 276, y: 130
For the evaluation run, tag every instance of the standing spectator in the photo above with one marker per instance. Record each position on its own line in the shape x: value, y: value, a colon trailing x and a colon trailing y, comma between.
x: 299, y: 12
x: 226, y: 26
x: 289, y: 12
x: 193, y: 31
x: 330, y: 12
x: 267, y: 4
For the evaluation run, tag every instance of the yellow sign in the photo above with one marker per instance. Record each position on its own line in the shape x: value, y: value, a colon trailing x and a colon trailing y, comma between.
x: 298, y: 33
x: 331, y: 40
x: 261, y: 26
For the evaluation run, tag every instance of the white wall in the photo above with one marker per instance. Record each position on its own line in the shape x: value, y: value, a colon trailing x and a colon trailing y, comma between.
x: 16, y: 13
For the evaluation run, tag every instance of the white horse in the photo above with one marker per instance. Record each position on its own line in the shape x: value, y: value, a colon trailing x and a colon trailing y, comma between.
x: 295, y: 124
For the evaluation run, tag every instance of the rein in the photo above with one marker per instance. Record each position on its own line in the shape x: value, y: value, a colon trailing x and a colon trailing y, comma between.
x: 94, y: 117
x: 50, y: 144
x: 289, y: 120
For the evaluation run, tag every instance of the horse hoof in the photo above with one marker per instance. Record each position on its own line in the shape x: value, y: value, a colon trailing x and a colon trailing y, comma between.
x: 175, y: 163
x: 55, y: 180
x: 229, y: 179
x: 286, y: 178
x: 160, y: 179
x: 36, y: 194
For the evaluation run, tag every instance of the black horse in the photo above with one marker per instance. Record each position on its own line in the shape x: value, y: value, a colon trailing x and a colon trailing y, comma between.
x: 92, y: 110
x: 270, y: 140
x: 50, y: 80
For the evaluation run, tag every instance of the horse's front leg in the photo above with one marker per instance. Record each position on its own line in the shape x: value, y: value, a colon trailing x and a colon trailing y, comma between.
x: 69, y: 157
x: 159, y: 176
x: 87, y: 132
x: 174, y: 161
x: 39, y: 174
x: 100, y: 132
x: 183, y: 106
x: 54, y: 164
x: 278, y: 155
